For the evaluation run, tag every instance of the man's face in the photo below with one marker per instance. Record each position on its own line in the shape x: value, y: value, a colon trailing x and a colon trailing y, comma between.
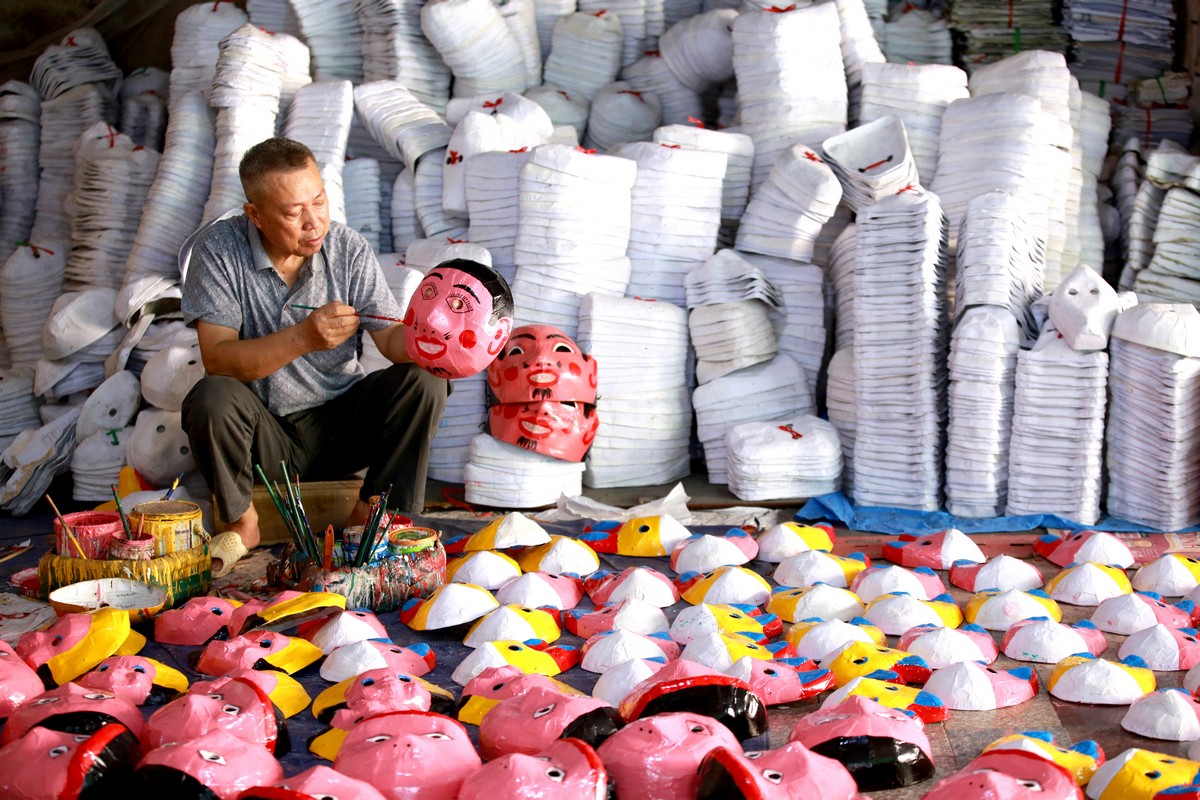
x: 291, y: 212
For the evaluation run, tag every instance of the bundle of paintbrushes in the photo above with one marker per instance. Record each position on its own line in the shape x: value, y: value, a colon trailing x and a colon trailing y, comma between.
x: 378, y: 523
x: 287, y: 502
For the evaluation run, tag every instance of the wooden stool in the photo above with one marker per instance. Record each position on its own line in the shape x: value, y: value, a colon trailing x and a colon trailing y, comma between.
x: 325, y: 503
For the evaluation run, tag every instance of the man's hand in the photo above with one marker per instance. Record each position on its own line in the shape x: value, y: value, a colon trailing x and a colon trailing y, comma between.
x: 329, y: 326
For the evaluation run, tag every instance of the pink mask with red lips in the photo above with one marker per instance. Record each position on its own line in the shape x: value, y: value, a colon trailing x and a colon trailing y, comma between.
x: 560, y: 430
x: 458, y: 319
x: 18, y: 682
x: 542, y: 363
x: 534, y: 719
x: 566, y: 770
x: 195, y: 622
x: 414, y: 755
x: 658, y: 757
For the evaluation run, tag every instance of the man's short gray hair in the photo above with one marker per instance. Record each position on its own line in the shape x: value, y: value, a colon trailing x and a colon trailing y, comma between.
x: 278, y: 154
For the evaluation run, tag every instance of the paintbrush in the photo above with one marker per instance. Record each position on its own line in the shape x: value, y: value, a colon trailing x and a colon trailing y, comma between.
x: 121, y: 512
x: 174, y: 486
x: 356, y: 313
x: 63, y: 522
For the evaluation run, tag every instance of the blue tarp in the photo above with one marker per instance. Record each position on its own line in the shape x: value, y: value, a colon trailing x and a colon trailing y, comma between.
x: 837, y: 507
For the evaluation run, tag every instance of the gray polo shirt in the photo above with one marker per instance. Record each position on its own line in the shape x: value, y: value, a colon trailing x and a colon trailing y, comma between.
x: 231, y: 282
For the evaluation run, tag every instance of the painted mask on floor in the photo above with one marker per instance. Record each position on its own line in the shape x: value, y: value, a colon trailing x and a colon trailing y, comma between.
x: 685, y: 686
x: 880, y: 579
x: 817, y: 566
x: 731, y: 585
x: 1138, y: 774
x: 196, y: 622
x: 216, y: 763
x: 450, y: 604
x: 316, y: 783
x: 643, y: 536
x: 1088, y: 584
x: 628, y: 615
x: 792, y: 772
x: 923, y: 705
x: 76, y: 643
x: 999, y: 611
x: 658, y: 757
x: 1081, y: 759
x: 1170, y: 714
x: 938, y: 551
x: 821, y: 601
x: 1011, y: 775
x: 513, y: 529
x: 860, y: 660
x: 1099, y: 547
x: 542, y: 363
x: 459, y: 319
x: 345, y: 627
x: 1162, y: 648
x: 643, y: 583
x: 529, y: 657
x: 515, y: 622
x: 1170, y: 575
x: 749, y: 621
x: 284, y: 691
x: 1044, y: 641
x: 1130, y: 613
x: 354, y: 659
x: 18, y: 681
x: 608, y: 649
x: 721, y: 650
x: 566, y: 770
x: 560, y: 430
x: 970, y: 686
x: 262, y: 650
x: 543, y: 590
x: 141, y: 681
x: 481, y: 694
x: 943, y: 646
x: 377, y: 691
x: 532, y: 721
x: 784, y: 680
x: 560, y: 555
x: 899, y: 612
x: 236, y: 705
x: 881, y: 747
x: 1001, y: 572
x: 67, y: 766
x: 1087, y: 679
x: 412, y: 754
x: 816, y: 638
x: 705, y: 552
x: 74, y: 709
x: 791, y: 538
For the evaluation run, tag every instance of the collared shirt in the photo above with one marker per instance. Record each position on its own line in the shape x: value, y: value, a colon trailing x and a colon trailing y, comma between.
x: 231, y: 282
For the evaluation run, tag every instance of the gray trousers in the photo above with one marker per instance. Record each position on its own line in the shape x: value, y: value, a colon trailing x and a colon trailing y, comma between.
x: 384, y: 422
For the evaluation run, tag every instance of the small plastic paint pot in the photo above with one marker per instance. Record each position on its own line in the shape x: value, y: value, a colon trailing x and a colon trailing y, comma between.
x: 402, y: 541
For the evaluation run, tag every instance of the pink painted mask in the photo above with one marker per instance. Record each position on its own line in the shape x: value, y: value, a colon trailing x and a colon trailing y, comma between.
x: 316, y: 783
x: 783, y: 680
x: 793, y: 772
x: 542, y: 363
x: 74, y: 709
x: 235, y: 705
x: 413, y: 755
x: 18, y: 682
x: 62, y: 765
x: 658, y: 757
x: 560, y: 430
x: 217, y: 762
x: 533, y: 720
x: 354, y: 659
x: 458, y: 319
x: 482, y: 693
x: 970, y: 686
x: 1008, y: 775
x: 691, y: 687
x: 376, y: 691
x: 196, y: 622
x: 141, y: 681
x: 261, y: 650
x: 566, y: 770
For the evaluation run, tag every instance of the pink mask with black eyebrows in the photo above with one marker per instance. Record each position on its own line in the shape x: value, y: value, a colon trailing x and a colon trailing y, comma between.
x: 559, y: 430
x: 534, y: 719
x: 541, y: 363
x: 457, y: 323
x: 195, y: 622
x: 566, y: 770
x: 409, y: 755
x: 658, y: 757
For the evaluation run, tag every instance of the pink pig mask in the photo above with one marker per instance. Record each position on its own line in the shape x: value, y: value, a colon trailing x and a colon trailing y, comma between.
x: 63, y: 765
x: 18, y: 682
x: 542, y: 363
x: 658, y: 757
x: 793, y: 772
x: 458, y: 319
x: 215, y: 763
x: 195, y: 622
x: 409, y: 755
x: 566, y: 770
x: 531, y: 721
x: 236, y: 705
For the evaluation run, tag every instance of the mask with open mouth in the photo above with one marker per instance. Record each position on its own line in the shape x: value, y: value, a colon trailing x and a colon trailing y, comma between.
x: 559, y: 430
x: 459, y: 319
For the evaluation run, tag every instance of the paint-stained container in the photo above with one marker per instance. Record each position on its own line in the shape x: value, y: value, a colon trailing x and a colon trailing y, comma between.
x: 176, y: 525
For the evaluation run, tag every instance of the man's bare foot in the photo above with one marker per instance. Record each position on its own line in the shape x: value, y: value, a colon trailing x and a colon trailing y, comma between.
x: 246, y: 527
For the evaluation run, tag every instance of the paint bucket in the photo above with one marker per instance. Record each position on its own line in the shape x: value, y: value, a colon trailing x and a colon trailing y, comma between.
x: 352, y: 537
x: 122, y: 549
x: 94, y: 530
x: 176, y: 525
x: 403, y: 541
x: 382, y: 585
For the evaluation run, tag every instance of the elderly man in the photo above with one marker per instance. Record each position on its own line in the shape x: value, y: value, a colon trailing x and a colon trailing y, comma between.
x: 284, y: 383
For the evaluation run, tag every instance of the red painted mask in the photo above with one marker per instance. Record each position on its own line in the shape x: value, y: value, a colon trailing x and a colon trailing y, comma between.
x: 793, y: 772
x: 235, y: 705
x: 74, y: 709
x: 195, y: 622
x: 559, y: 430
x: 216, y: 762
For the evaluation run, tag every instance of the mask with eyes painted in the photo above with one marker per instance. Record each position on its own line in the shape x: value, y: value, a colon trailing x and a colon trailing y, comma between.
x: 216, y: 763
x: 533, y: 720
x: 235, y: 705
x: 458, y: 319
x: 76, y: 643
x: 74, y: 709
x: 483, y: 692
x: 417, y: 755
x: 793, y: 772
x: 565, y: 770
x: 686, y: 686
x: 1138, y: 774
x: 67, y: 766
x: 658, y: 757
x: 1083, y: 309
x: 196, y: 622
x: 262, y: 650
x: 784, y: 680
x: 378, y: 691
x: 541, y: 363
x: 1008, y: 775
x: 18, y: 681
x: 316, y: 783
x: 139, y: 680
x: 560, y: 430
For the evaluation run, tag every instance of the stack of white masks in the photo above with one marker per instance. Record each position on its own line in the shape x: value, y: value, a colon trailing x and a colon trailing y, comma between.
x: 900, y: 340
x: 772, y: 460
x: 739, y: 159
x: 18, y: 405
x: 791, y: 82
x: 144, y: 106
x: 620, y: 114
x: 799, y: 321
x: 633, y: 17
x: 246, y: 89
x: 274, y: 15
x: 29, y: 284
x: 643, y: 403
x: 394, y: 48
x: 546, y: 14
x: 918, y: 95
x: 775, y: 390
x: 113, y: 405
x: 786, y: 213
x: 698, y: 49
x: 492, y: 184
x: 170, y: 374
x: 465, y: 418
x: 1092, y: 121
x: 158, y: 336
x: 334, y: 37
x: 425, y: 254
x: 676, y: 207
x: 1001, y: 256
x: 28, y: 465
x: 80, y: 332
x: 1170, y: 276
x: 506, y: 476
x: 82, y: 57
x: 363, y: 197
x: 521, y: 18
x: 158, y: 448
x: 1169, y: 164
x: 428, y: 188
x: 1126, y: 182
x: 585, y: 53
x: 841, y: 404
x: 1112, y: 48
x: 1054, y: 462
x: 112, y: 181
x: 476, y: 45
x: 872, y: 161
x: 651, y: 75
x: 64, y: 119
x: 402, y: 280
x: 20, y: 114
x: 730, y: 301
x: 96, y: 464
x: 565, y: 109
x: 199, y: 30
x: 575, y: 210
x: 396, y: 119
x: 842, y: 261
x: 1044, y: 76
x: 319, y: 116
x: 859, y: 48
x: 991, y: 31
x: 406, y: 225
x: 916, y: 36
x: 983, y: 368
x: 1153, y: 438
